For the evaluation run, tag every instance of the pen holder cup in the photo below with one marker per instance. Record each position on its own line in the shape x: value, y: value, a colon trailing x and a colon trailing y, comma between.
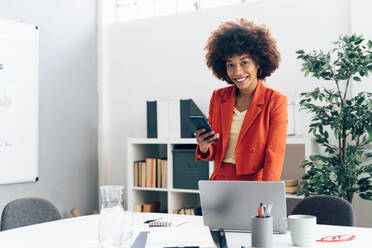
x: 262, y: 232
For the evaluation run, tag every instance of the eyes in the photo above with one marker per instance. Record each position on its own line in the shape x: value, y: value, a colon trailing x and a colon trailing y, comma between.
x: 231, y: 65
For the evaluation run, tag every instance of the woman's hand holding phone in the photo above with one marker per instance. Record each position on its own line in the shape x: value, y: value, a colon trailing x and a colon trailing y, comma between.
x: 204, y: 139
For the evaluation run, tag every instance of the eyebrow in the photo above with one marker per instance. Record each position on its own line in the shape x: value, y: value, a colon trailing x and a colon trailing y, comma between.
x: 245, y: 57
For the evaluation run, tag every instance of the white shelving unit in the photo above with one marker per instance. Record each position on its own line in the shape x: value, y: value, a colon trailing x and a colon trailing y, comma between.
x: 171, y: 198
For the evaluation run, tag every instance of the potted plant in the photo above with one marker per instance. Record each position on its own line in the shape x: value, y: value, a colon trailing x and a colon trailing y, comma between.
x: 343, y: 167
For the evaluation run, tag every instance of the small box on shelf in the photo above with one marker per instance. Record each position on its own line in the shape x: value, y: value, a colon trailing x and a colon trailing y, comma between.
x: 186, y: 171
x: 147, y: 207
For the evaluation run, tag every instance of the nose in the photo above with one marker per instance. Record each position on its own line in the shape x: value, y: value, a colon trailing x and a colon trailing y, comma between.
x: 237, y: 70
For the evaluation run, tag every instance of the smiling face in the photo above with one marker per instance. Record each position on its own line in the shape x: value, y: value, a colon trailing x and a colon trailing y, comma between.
x: 242, y: 71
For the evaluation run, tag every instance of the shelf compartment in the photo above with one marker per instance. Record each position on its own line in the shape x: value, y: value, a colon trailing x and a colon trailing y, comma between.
x: 143, y: 151
x: 147, y: 196
x: 184, y: 200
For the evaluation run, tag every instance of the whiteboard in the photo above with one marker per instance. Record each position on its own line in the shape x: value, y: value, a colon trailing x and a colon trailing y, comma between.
x: 19, y: 104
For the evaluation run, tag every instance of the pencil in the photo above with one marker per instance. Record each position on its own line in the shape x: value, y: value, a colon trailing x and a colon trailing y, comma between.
x: 181, y: 223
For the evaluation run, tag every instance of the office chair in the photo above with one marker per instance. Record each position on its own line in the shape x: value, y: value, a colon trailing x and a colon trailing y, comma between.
x: 28, y: 211
x: 329, y: 210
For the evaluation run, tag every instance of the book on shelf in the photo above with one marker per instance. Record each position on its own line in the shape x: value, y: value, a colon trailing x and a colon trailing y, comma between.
x: 147, y: 207
x: 150, y: 173
x: 165, y: 173
x: 187, y: 211
x: 291, y: 186
x: 158, y: 173
x: 135, y: 173
x: 143, y: 174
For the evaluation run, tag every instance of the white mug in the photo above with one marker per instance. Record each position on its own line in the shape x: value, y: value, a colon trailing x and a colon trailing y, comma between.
x: 302, y: 228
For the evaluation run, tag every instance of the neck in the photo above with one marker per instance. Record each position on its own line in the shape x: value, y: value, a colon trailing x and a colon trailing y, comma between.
x: 247, y: 92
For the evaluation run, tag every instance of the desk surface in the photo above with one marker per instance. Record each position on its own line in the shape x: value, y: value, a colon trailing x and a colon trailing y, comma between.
x: 82, y: 232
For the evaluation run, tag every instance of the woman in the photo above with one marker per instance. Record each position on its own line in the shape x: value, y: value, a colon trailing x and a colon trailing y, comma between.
x: 249, y: 119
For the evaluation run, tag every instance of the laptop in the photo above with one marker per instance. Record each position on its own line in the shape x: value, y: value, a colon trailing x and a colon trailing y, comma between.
x: 229, y: 205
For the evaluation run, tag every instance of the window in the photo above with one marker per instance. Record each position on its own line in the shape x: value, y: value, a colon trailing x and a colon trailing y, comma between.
x: 127, y: 10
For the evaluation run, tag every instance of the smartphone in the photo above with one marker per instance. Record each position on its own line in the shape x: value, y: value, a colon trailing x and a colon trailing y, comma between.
x: 201, y: 122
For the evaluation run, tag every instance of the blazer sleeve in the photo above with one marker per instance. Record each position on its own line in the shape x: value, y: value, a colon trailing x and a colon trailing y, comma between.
x: 210, y: 155
x: 276, y: 141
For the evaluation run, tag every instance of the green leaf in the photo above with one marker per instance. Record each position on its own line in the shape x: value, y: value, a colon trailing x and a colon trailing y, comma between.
x: 355, y: 186
x: 366, y: 196
x: 358, y: 40
x: 300, y: 52
x: 333, y: 176
x: 356, y: 78
x: 369, y: 44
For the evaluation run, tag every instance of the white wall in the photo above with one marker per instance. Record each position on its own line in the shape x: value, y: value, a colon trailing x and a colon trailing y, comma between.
x: 105, y: 18
x: 164, y: 58
x: 361, y: 23
x: 68, y: 165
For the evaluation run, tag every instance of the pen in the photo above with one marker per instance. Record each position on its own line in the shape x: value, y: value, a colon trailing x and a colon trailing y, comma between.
x: 265, y: 210
x: 149, y: 221
x: 269, y: 209
x: 260, y: 210
x: 182, y: 223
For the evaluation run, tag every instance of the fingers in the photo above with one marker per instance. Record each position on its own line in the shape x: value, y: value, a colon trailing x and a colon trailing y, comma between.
x: 204, y: 139
x: 213, y: 138
x: 205, y: 135
x: 198, y: 132
x: 205, y: 143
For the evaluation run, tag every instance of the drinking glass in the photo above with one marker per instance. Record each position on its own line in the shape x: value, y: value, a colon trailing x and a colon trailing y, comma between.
x: 111, y: 221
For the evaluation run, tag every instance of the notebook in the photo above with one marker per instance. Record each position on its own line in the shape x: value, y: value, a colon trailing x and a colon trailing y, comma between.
x: 229, y: 205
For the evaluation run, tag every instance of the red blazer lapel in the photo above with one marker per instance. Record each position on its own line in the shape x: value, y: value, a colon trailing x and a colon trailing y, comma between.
x: 227, y: 107
x: 253, y: 109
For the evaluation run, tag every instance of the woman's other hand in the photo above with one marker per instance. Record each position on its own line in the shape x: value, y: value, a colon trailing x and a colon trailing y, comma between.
x: 205, y: 139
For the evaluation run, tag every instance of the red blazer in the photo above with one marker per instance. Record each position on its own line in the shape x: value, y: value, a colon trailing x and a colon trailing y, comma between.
x: 262, y: 140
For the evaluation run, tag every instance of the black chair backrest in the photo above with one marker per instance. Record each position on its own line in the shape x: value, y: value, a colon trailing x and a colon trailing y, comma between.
x: 329, y: 210
x: 28, y: 211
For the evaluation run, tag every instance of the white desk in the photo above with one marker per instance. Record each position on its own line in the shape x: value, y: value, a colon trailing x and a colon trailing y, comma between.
x: 82, y: 232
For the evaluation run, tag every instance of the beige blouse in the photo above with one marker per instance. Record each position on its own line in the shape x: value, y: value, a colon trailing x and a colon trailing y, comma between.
x: 236, y: 125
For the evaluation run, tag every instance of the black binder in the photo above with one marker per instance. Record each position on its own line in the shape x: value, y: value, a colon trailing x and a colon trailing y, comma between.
x: 188, y: 107
x: 152, y: 119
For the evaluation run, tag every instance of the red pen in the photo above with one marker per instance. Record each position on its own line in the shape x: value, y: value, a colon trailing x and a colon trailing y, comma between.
x: 260, y: 211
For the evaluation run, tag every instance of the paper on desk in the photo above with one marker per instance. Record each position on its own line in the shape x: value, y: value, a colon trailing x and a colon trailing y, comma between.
x: 180, y: 236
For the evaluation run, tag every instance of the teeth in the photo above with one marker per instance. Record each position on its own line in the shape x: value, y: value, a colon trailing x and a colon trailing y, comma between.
x: 241, y: 79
